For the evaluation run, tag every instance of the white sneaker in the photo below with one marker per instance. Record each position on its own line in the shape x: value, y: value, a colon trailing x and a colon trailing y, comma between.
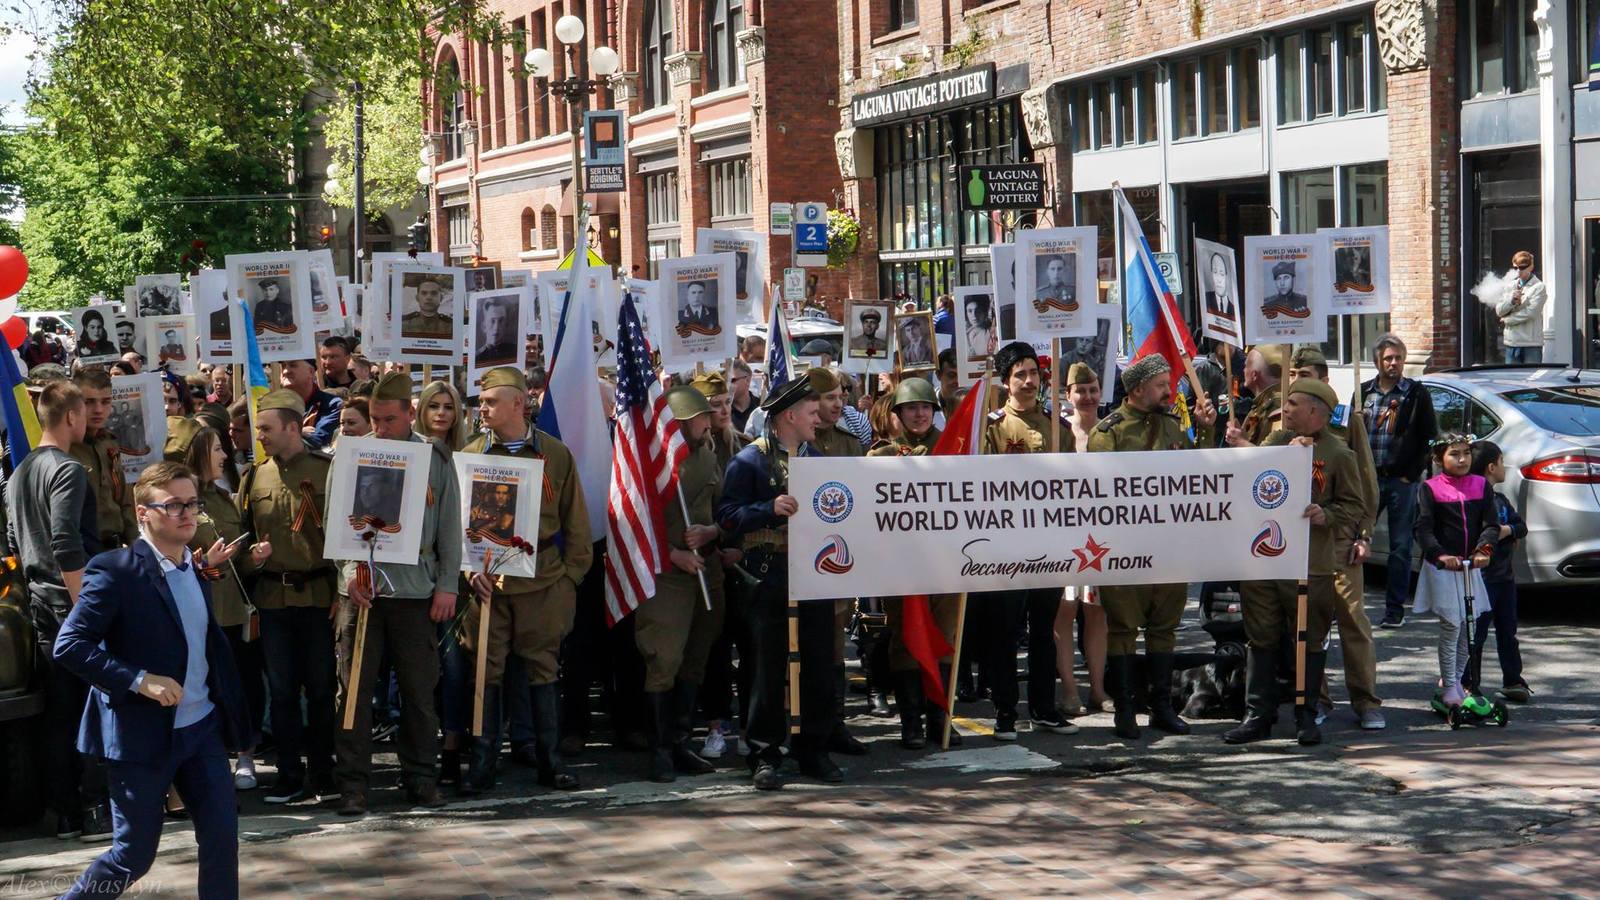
x: 715, y: 745
x: 244, y: 776
x: 1372, y: 720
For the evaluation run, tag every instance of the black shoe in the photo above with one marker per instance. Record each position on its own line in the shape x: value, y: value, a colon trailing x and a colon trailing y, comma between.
x: 1252, y: 729
x: 878, y: 706
x: 688, y: 762
x: 324, y: 787
x: 425, y: 794
x: 68, y: 827
x: 662, y: 771
x: 1005, y: 727
x: 908, y: 700
x: 547, y: 739
x: 841, y: 741
x: 1162, y: 716
x: 287, y: 790
x: 560, y: 780
x: 1393, y: 620
x: 1119, y: 681
x: 450, y: 766
x: 484, y: 762
x: 354, y: 803
x: 820, y: 767
x: 765, y: 777
x: 383, y: 731
x: 523, y: 755
x: 1309, y: 735
x: 96, y: 824
x: 1053, y: 722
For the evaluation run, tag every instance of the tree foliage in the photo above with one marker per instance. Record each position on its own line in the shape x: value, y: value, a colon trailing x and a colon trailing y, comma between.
x: 392, y: 133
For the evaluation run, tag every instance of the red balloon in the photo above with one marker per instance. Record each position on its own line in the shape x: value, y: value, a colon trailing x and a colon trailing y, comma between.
x: 15, y: 330
x: 13, y: 270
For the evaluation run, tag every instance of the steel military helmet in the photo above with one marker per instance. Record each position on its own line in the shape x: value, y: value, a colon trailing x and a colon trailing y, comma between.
x: 686, y: 403
x: 915, y: 390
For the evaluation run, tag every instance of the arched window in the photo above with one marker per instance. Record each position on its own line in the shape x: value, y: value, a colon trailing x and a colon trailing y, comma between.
x: 547, y: 228
x: 725, y: 19
x: 452, y: 99
x: 658, y: 46
x: 530, y: 226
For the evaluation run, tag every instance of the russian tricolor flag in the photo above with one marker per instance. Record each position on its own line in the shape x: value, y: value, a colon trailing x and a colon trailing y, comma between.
x: 1153, y: 316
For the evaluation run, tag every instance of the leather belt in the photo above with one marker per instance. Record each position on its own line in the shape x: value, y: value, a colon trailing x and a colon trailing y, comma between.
x: 299, y: 579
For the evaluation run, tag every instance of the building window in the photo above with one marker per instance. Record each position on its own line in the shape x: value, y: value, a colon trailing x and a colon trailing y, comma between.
x: 1145, y: 105
x: 458, y: 226
x: 722, y: 45
x: 1126, y: 133
x: 902, y: 14
x: 1247, y: 87
x: 1116, y: 112
x: 1309, y: 203
x: 730, y: 188
x: 1585, y: 50
x: 1215, y: 80
x: 547, y: 228
x: 1329, y: 72
x: 530, y: 230
x: 1186, y: 100
x: 661, y: 217
x: 1504, y: 40
x: 1219, y: 93
x: 1103, y: 136
x: 657, y: 47
x: 452, y: 96
x: 1079, y: 104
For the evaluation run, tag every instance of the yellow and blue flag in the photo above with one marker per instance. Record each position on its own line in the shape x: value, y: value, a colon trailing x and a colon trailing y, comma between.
x: 22, y: 423
x: 255, y: 372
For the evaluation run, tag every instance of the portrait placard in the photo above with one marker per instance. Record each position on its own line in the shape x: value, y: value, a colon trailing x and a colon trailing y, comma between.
x: 1098, y: 351
x: 1003, y: 275
x: 378, y: 311
x: 647, y: 303
x: 483, y: 277
x: 976, y: 338
x: 218, y: 319
x: 157, y: 295
x: 515, y: 278
x: 868, y: 338
x: 379, y: 487
x: 138, y: 421
x: 551, y: 302
x: 1217, y: 286
x: 1286, y: 289
x: 500, y: 499
x: 353, y: 298
x: 169, y: 344
x: 698, y: 292
x: 913, y: 336
x: 1055, y: 281
x: 427, y: 314
x: 749, y: 249
x: 1359, y: 258
x: 97, y: 336
x: 326, y: 316
x: 498, y: 335
x: 128, y: 332
x: 277, y: 286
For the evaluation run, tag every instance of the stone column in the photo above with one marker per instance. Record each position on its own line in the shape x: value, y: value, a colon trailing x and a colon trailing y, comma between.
x: 1555, y: 180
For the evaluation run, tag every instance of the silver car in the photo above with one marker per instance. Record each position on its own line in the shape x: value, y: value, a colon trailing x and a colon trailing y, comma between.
x: 1546, y: 421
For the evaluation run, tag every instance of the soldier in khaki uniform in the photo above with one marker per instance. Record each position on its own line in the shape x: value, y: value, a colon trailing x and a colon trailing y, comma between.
x: 1144, y: 421
x: 113, y: 497
x: 283, y: 500
x: 1262, y: 375
x: 528, y: 616
x: 674, y: 629
x: 411, y: 600
x: 1350, y: 551
x: 833, y: 440
x: 1021, y: 426
x: 1271, y: 607
x: 915, y: 402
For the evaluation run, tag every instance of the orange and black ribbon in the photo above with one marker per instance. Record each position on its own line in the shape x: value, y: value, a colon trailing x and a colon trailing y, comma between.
x: 118, y: 484
x: 308, y: 508
x: 1046, y: 304
x: 363, y: 522
x: 1319, y: 478
x: 705, y: 330
x: 275, y: 329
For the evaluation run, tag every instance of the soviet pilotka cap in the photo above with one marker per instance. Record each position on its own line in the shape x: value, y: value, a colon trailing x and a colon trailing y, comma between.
x: 710, y: 384
x: 283, y: 399
x: 1317, y: 388
x: 393, y: 386
x: 505, y: 376
x: 796, y: 391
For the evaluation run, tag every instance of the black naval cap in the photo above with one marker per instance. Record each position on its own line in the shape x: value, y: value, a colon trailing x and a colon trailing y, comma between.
x: 795, y: 391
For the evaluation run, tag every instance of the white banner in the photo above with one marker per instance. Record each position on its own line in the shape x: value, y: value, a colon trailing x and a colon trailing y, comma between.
x: 944, y: 524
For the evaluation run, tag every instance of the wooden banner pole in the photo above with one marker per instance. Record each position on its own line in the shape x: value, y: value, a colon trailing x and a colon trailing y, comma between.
x: 352, y: 690
x: 961, y: 600
x: 1055, y: 395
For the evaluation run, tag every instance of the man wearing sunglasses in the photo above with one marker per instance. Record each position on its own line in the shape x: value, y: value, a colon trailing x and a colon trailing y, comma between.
x: 1522, y: 313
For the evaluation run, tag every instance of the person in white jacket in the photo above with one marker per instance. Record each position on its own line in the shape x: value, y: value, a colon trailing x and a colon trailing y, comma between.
x: 1522, y: 312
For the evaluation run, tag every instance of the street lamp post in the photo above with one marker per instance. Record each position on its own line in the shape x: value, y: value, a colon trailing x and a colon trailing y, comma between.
x: 603, y: 62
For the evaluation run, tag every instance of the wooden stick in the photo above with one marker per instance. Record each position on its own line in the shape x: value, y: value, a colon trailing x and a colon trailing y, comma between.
x: 1055, y: 395
x: 483, y: 654
x: 1355, y: 354
x: 427, y: 373
x: 684, y: 505
x: 955, y: 661
x: 794, y: 665
x: 1227, y: 367
x: 1302, y: 602
x: 353, y: 692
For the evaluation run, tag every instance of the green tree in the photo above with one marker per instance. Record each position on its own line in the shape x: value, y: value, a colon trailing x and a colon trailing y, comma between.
x: 392, y: 133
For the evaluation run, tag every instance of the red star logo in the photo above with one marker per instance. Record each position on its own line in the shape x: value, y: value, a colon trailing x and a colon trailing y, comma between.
x: 1091, y: 556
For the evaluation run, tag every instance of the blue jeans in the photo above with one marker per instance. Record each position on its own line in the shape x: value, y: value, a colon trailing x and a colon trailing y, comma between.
x: 1397, y: 499
x: 198, y: 768
x: 1515, y: 355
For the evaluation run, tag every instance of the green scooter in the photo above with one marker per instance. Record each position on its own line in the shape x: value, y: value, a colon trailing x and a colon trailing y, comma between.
x: 1474, y: 708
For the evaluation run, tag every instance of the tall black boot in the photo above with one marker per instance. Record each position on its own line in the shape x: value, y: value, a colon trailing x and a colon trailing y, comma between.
x: 1119, y: 678
x: 547, y: 739
x: 485, y: 747
x: 683, y: 759
x: 908, y: 697
x: 661, y: 734
x: 840, y: 740
x: 1261, y: 698
x: 936, y: 713
x: 812, y: 754
x: 1162, y: 716
x: 1305, y: 715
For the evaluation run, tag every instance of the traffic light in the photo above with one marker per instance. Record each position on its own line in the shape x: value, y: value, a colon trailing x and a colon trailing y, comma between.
x: 418, y: 232
x: 325, y: 234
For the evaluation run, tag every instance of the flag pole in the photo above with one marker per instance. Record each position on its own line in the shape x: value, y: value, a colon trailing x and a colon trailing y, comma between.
x: 1161, y: 303
x: 684, y: 505
x: 961, y: 599
x: 1055, y: 395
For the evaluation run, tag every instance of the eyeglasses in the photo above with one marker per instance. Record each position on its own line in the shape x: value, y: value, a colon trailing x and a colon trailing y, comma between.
x: 1525, y: 266
x: 175, y: 510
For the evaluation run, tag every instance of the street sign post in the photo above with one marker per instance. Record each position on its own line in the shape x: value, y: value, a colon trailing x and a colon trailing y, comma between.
x: 811, y: 234
x: 1168, y: 264
x: 781, y: 219
x: 604, y: 151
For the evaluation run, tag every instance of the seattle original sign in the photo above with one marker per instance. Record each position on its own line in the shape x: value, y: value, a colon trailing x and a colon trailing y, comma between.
x: 919, y: 96
x: 913, y: 525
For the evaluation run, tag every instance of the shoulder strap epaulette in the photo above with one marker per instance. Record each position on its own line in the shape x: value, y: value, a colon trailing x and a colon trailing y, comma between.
x: 997, y: 415
x: 1111, y: 421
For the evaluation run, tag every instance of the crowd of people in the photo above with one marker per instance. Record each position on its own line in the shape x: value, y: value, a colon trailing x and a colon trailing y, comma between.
x: 698, y: 673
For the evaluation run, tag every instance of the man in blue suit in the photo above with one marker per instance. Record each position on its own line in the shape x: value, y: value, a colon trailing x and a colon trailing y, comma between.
x: 166, y: 705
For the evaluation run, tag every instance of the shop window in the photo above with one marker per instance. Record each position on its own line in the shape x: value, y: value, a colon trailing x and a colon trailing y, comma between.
x: 1328, y: 72
x: 1291, y: 79
x: 657, y: 47
x: 1247, y: 86
x: 1185, y: 99
x: 725, y: 21
x: 1145, y: 103
x: 547, y: 228
x: 1103, y: 136
x: 1503, y: 40
x: 902, y: 14
x: 730, y: 188
x: 530, y: 230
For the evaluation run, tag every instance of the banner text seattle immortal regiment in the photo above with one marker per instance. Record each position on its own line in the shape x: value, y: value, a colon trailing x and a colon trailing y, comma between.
x: 939, y: 524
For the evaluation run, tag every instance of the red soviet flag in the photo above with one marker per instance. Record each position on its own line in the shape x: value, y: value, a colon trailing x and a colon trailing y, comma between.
x: 921, y: 634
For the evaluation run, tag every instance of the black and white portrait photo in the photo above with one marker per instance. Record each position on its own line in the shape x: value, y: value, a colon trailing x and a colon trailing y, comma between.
x: 159, y: 300
x: 1352, y: 268
x: 483, y: 278
x: 422, y: 299
x: 915, y: 334
x: 495, y: 319
x: 494, y: 509
x: 127, y: 335
x: 697, y: 306
x: 1285, y: 297
x: 378, y: 492
x: 977, y: 322
x: 1217, y: 279
x: 95, y: 339
x: 272, y: 304
x: 869, y: 331
x: 1056, y: 280
x: 1091, y: 351
x: 127, y: 424
x: 1221, y: 299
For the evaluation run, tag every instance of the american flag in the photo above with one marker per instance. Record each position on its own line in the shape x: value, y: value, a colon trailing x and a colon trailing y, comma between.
x: 644, y: 473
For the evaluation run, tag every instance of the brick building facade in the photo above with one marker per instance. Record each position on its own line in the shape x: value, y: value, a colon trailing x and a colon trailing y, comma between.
x: 721, y: 122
